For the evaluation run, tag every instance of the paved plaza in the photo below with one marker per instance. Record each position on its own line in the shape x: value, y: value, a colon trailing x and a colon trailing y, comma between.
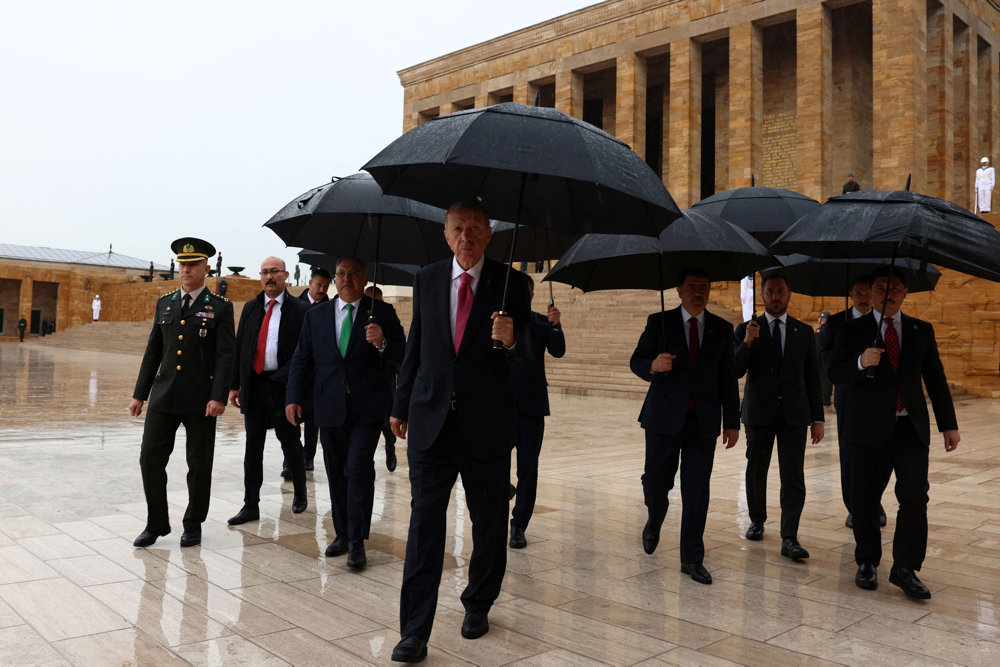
x: 73, y: 589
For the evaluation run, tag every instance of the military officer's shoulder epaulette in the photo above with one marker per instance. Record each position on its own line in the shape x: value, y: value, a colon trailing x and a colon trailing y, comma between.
x: 168, y: 294
x: 218, y: 296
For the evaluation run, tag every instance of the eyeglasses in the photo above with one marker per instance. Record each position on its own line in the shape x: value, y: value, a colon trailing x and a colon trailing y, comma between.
x: 270, y: 272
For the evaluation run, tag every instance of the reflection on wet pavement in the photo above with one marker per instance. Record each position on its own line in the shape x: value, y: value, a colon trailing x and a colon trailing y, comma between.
x: 74, y: 590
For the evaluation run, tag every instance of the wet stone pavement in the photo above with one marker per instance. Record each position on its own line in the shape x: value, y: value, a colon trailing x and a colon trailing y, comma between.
x: 73, y: 590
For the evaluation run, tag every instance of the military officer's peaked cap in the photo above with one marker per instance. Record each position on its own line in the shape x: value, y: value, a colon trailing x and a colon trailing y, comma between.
x: 190, y: 249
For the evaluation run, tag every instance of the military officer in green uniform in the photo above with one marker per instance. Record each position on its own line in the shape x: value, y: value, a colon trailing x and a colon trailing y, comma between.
x: 185, y: 374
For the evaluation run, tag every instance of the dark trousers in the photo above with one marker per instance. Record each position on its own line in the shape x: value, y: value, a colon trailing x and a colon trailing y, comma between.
x: 907, y: 456
x: 262, y: 413
x: 696, y: 454
x: 840, y: 403
x: 310, y: 436
x: 349, y: 459
x: 791, y: 459
x: 20, y: 335
x: 432, y: 478
x: 530, y: 430
x: 158, y: 434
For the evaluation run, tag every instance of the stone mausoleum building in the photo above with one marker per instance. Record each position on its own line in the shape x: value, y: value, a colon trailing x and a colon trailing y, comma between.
x: 796, y: 93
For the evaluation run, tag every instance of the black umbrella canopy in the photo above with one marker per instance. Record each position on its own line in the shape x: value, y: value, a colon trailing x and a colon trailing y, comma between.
x: 382, y: 273
x: 897, y: 223
x: 351, y: 217
x: 834, y: 277
x: 534, y: 166
x: 764, y: 212
x: 615, y: 261
x: 532, y: 244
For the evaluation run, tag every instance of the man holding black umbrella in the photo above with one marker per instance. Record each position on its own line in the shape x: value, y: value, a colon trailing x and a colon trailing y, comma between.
x: 686, y: 355
x: 455, y: 403
x: 888, y: 428
x: 781, y: 401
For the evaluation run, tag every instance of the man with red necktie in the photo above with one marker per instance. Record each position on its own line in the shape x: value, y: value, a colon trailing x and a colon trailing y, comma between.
x: 455, y: 406
x: 265, y: 342
x: 686, y: 355
x: 887, y: 427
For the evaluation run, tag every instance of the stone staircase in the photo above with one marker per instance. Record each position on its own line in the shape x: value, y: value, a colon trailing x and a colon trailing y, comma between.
x: 116, y: 337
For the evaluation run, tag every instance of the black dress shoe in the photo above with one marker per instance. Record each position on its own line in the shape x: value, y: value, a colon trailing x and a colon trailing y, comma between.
x: 243, y: 516
x: 907, y: 580
x: 356, y: 558
x: 697, y: 572
x: 756, y: 531
x: 881, y: 517
x: 310, y: 466
x: 517, y: 540
x: 148, y: 537
x: 791, y: 548
x: 511, y: 491
x: 411, y: 649
x: 651, y: 532
x: 390, y: 456
x: 338, y: 547
x: 867, y: 577
x: 286, y: 473
x: 190, y: 538
x: 850, y: 521
x: 299, y: 504
x: 475, y: 625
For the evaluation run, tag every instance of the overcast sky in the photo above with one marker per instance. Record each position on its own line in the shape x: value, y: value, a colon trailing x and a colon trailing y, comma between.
x: 134, y: 123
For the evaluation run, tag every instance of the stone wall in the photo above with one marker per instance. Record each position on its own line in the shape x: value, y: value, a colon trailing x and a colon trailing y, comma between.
x: 134, y: 302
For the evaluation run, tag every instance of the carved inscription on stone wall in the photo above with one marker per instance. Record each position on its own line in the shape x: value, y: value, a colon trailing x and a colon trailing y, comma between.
x: 778, y: 147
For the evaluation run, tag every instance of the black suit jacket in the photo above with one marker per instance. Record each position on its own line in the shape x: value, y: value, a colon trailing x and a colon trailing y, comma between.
x: 189, y: 359
x: 712, y: 382
x: 478, y: 378
x: 794, y: 378
x: 251, y: 320
x: 871, y: 403
x: 828, y: 337
x: 319, y: 372
x: 530, y: 383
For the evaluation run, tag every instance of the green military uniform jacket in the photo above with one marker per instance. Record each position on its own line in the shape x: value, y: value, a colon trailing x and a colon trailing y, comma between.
x: 189, y: 359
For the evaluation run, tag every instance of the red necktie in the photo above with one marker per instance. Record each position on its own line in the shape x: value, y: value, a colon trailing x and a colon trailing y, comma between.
x: 462, y: 311
x: 258, y: 360
x: 892, y: 351
x: 693, y: 349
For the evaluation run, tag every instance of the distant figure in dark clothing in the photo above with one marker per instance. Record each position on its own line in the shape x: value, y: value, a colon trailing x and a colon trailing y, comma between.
x: 851, y: 185
x: 223, y: 287
x: 22, y: 326
x: 171, y: 269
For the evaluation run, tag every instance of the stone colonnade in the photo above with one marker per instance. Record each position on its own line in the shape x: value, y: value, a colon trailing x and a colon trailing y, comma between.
x: 791, y: 93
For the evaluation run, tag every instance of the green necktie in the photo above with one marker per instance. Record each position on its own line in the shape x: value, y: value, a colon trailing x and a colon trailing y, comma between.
x: 345, y: 331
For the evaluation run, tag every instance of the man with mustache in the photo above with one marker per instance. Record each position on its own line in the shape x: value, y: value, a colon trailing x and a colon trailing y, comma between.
x: 686, y: 355
x: 265, y: 342
x: 185, y: 374
x: 887, y: 427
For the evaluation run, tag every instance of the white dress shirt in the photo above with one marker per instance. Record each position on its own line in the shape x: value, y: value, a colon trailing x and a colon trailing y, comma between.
x: 456, y: 281
x: 271, y: 349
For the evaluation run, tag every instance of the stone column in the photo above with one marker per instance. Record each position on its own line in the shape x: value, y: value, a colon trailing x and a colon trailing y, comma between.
x: 685, y: 122
x: 630, y: 101
x: 410, y: 121
x: 524, y: 93
x: 665, y: 138
x: 447, y: 108
x: 994, y: 115
x: 569, y: 93
x: 987, y: 111
x: 482, y: 100
x: 24, y: 302
x: 964, y: 117
x: 814, y: 101
x: 940, y: 103
x: 746, y: 103
x: 899, y: 91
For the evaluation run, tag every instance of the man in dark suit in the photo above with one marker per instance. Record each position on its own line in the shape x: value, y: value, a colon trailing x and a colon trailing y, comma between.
x: 22, y: 326
x: 348, y: 350
x: 265, y: 342
x: 686, y: 355
x: 888, y: 428
x: 861, y: 304
x: 455, y: 402
x: 185, y: 374
x: 781, y: 400
x: 532, y: 391
x: 319, y: 283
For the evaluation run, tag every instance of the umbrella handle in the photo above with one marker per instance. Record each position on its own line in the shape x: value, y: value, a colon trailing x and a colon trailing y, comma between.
x: 552, y: 300
x: 870, y: 371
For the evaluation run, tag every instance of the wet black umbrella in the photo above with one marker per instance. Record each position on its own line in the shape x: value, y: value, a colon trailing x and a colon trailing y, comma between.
x: 697, y: 239
x: 895, y: 224
x: 834, y: 277
x: 344, y: 219
x: 382, y: 273
x: 764, y: 212
x: 533, y: 166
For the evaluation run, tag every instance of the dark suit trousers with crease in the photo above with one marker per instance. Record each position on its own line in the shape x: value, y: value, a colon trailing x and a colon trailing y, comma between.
x: 349, y: 459
x: 791, y: 459
x: 907, y: 456
x: 530, y: 431
x: 696, y: 455
x: 432, y: 477
x: 263, y: 412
